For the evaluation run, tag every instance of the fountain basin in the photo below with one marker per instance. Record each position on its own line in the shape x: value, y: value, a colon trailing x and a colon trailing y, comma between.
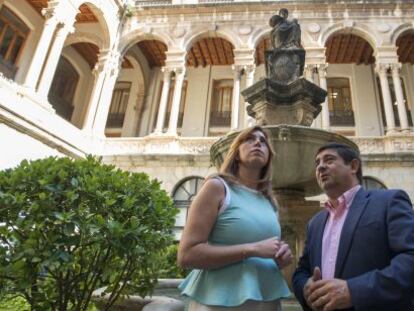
x: 294, y: 162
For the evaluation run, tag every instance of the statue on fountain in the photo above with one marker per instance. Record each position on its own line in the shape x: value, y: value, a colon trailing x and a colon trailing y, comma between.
x: 284, y: 96
x: 285, y: 34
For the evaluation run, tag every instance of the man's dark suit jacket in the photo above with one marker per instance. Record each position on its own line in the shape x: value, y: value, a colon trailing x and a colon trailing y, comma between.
x: 376, y: 252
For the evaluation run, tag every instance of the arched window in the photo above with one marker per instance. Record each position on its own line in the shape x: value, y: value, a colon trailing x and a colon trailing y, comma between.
x: 340, y: 102
x: 183, y: 194
x: 371, y: 183
x: 13, y: 34
x: 63, y: 88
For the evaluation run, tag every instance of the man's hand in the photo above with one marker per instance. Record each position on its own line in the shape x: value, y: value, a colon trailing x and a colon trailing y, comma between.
x: 283, y: 256
x: 317, y: 275
x: 328, y: 295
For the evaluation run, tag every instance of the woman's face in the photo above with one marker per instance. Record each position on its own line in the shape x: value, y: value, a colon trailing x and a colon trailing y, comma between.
x: 254, y: 151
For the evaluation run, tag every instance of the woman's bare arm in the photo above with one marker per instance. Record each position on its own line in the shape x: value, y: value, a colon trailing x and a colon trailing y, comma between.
x: 194, y: 250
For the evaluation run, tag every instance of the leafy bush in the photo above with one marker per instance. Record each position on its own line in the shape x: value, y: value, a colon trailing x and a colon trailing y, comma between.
x: 14, y: 304
x: 170, y: 269
x: 68, y: 227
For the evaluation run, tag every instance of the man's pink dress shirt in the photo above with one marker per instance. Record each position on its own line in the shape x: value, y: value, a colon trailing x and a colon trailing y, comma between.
x: 333, y: 229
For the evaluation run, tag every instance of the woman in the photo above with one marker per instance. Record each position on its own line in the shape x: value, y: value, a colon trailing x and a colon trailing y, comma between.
x: 232, y: 234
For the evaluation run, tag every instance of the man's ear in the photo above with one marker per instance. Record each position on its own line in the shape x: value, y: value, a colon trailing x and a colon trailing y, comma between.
x: 355, y: 165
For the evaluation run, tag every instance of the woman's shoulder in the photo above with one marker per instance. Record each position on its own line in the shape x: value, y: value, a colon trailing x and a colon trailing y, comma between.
x: 215, y: 185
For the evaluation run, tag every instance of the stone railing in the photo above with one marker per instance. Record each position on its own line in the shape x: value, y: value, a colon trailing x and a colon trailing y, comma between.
x: 152, y: 3
x: 170, y: 145
x: 385, y: 145
x: 153, y: 144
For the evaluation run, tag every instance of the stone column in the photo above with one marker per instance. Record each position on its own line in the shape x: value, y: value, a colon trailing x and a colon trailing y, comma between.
x: 237, y: 71
x: 40, y: 52
x: 112, y: 71
x: 325, y: 108
x: 402, y: 112
x: 175, y: 107
x: 53, y: 59
x: 249, y: 71
x: 99, y: 74
x: 386, y: 96
x: 162, y: 108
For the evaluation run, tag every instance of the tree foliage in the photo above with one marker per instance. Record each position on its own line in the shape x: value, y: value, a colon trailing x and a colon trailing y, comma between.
x: 68, y: 227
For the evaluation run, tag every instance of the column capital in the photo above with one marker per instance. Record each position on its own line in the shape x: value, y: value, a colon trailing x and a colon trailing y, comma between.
x: 322, y: 69
x: 50, y: 11
x: 237, y: 71
x: 166, y: 73
x: 114, y: 62
x: 395, y: 68
x: 311, y: 67
x: 166, y: 70
x: 65, y: 28
x: 180, y: 70
x: 382, y: 68
x: 248, y: 69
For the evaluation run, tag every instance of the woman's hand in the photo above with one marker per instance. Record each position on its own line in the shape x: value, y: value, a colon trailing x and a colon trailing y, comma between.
x: 283, y: 256
x: 265, y: 248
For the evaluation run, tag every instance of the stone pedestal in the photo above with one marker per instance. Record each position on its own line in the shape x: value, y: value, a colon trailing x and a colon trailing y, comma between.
x: 272, y: 102
x: 294, y: 214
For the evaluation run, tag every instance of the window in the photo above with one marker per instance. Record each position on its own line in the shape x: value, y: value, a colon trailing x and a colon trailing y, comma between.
x: 13, y: 34
x: 340, y: 102
x: 119, y: 104
x: 220, y: 108
x: 183, y: 194
x: 371, y: 183
x: 394, y: 101
x: 63, y: 88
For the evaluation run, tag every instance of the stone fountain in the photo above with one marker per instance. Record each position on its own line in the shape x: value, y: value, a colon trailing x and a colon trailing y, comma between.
x: 285, y: 104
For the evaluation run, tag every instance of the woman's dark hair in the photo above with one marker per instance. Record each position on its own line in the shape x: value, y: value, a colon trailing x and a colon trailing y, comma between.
x: 346, y: 153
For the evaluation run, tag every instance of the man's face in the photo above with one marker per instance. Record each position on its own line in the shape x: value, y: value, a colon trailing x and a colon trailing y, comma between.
x: 332, y: 174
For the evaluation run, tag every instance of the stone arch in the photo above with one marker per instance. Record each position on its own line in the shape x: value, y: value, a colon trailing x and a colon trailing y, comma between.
x: 358, y: 30
x: 258, y: 36
x: 401, y: 29
x: 105, y: 17
x: 198, y: 34
x: 136, y: 36
x: 79, y: 37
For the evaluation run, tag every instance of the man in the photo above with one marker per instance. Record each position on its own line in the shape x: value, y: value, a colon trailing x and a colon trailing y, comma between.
x: 359, y: 251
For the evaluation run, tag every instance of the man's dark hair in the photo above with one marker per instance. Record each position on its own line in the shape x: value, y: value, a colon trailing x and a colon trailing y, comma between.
x: 346, y: 153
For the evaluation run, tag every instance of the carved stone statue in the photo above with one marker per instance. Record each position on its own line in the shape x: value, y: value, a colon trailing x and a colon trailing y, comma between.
x: 285, y: 34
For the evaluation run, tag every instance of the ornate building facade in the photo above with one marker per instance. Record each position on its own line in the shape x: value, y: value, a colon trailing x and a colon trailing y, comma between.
x: 150, y: 85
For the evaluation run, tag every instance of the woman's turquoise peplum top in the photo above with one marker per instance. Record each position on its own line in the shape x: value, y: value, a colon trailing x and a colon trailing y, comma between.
x: 248, y: 217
